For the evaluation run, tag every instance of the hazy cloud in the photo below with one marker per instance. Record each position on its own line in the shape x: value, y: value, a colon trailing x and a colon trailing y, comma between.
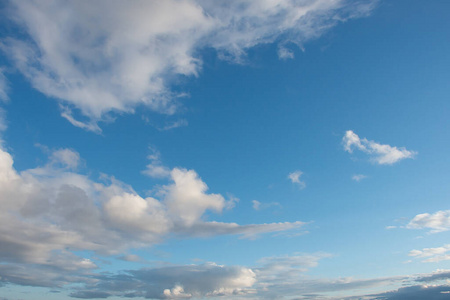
x: 358, y: 177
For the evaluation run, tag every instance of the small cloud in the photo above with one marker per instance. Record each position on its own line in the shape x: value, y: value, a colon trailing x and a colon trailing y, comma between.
x: 173, y: 125
x: 231, y: 202
x: 358, y: 177
x: 256, y: 204
x: 155, y: 168
x: 294, y: 177
x: 380, y: 154
x: 285, y: 53
x: 390, y: 227
x: 437, y: 222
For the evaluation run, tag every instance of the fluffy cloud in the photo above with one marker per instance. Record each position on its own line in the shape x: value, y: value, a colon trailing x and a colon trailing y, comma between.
x: 294, y: 177
x: 106, y: 56
x: 380, y: 154
x: 437, y: 222
x: 49, y: 213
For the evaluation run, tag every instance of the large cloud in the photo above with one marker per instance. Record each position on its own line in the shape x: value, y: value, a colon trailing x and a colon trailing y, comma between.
x: 48, y: 213
x: 105, y: 56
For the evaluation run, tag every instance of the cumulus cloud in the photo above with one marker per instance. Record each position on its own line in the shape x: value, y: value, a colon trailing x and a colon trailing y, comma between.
x: 380, y: 154
x: 437, y: 222
x: 294, y: 177
x: 111, y: 56
x: 49, y: 213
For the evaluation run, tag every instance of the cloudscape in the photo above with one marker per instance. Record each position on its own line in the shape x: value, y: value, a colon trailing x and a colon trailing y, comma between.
x: 229, y: 149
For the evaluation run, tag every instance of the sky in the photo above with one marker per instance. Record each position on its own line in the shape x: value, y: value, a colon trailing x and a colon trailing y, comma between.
x: 229, y: 149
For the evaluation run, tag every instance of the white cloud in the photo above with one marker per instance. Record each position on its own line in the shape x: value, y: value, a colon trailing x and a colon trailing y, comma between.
x: 358, y: 177
x: 437, y: 222
x: 294, y: 177
x: 432, y: 254
x: 49, y: 212
x: 380, y: 154
x: 111, y: 56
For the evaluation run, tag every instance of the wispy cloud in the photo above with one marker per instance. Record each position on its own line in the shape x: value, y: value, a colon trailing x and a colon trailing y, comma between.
x: 432, y: 254
x: 102, y: 57
x: 380, y: 154
x: 358, y: 177
x: 294, y: 177
x: 258, y: 205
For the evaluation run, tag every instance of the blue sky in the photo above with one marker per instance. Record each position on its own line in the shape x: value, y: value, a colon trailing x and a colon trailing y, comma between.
x: 224, y: 149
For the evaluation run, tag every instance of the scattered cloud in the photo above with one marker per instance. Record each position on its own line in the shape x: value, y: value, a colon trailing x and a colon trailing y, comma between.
x: 380, y: 154
x: 437, y: 222
x: 358, y: 177
x: 50, y: 212
x: 432, y: 254
x: 103, y: 57
x: 294, y: 177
